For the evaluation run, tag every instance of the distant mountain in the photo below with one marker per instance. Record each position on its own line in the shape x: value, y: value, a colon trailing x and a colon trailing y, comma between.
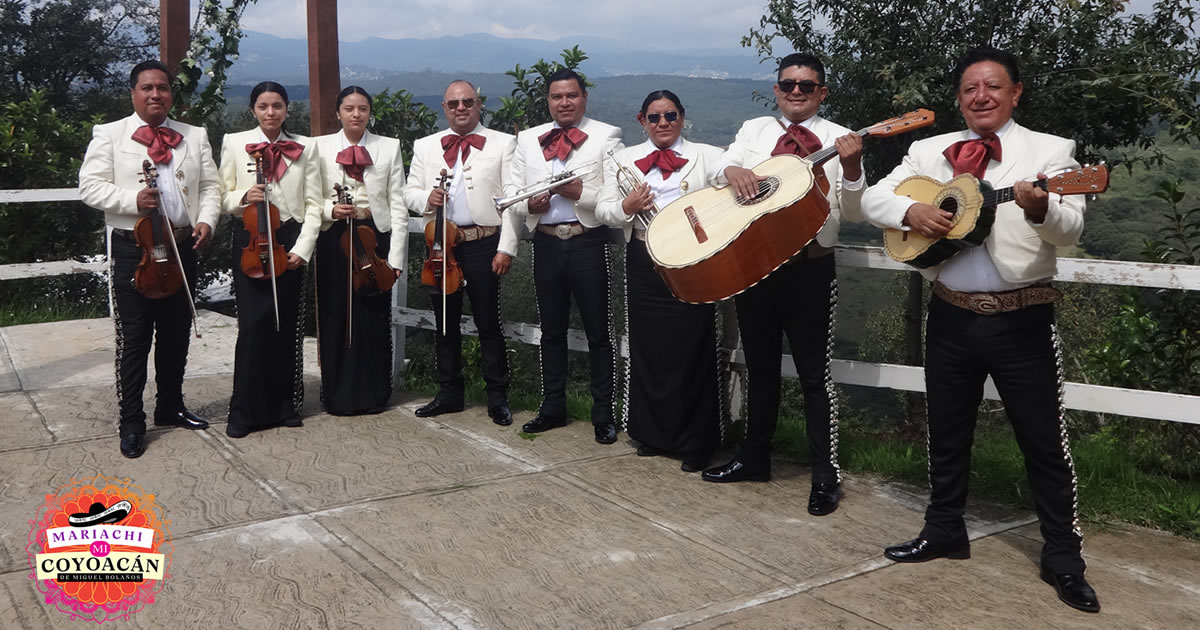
x: 265, y: 56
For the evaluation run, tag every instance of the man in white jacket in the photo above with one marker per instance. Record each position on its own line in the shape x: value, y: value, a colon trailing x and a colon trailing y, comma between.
x: 992, y: 313
x: 190, y: 193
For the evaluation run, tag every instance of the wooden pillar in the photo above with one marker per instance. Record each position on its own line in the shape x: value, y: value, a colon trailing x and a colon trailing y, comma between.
x: 324, y: 80
x: 174, y: 32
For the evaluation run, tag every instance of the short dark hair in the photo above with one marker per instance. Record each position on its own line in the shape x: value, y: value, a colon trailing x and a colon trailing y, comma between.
x: 985, y: 53
x: 804, y: 60
x: 267, y: 86
x: 149, y: 64
x: 566, y: 74
x: 354, y: 89
x: 659, y: 94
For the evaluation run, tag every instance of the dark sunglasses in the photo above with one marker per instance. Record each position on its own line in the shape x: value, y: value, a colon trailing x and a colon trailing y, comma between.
x: 670, y: 116
x: 466, y: 102
x: 806, y: 87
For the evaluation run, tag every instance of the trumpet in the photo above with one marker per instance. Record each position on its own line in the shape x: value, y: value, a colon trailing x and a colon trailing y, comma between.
x: 543, y: 186
x: 627, y: 180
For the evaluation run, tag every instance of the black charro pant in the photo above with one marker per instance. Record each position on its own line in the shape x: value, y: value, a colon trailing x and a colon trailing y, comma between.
x: 1019, y: 350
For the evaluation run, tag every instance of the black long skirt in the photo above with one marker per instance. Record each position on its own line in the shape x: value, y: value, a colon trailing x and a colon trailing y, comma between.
x: 268, y: 380
x: 356, y: 360
x: 674, y: 390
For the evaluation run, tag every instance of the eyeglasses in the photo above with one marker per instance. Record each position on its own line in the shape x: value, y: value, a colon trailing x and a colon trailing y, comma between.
x: 670, y: 116
x: 806, y: 87
x: 466, y: 102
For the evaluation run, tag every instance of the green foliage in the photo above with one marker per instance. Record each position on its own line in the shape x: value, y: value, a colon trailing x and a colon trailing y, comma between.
x: 216, y: 36
x: 398, y: 116
x: 67, y: 47
x: 526, y: 107
x: 40, y: 149
x: 1153, y: 344
x: 1091, y: 71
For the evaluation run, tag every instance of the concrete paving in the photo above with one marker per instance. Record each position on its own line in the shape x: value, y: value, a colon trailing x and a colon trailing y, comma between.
x: 392, y: 521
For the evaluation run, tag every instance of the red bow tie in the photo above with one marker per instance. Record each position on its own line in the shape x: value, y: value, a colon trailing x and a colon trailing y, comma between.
x: 159, y: 141
x: 273, y: 154
x: 809, y: 142
x: 972, y: 156
x: 558, y: 142
x: 354, y: 159
x: 452, y: 143
x: 664, y: 159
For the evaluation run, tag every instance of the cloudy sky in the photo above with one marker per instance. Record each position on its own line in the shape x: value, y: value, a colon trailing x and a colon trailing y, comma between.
x: 657, y: 23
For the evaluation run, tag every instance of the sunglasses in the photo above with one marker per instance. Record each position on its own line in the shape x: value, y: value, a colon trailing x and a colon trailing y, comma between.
x: 670, y: 116
x: 806, y: 87
x: 466, y: 102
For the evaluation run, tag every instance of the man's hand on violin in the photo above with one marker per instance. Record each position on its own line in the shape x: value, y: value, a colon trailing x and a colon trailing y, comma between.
x: 147, y: 201
x: 343, y: 211
x: 539, y: 204
x: 572, y: 190
x: 500, y: 263
x: 437, y: 197
x: 203, y: 234
x: 256, y: 194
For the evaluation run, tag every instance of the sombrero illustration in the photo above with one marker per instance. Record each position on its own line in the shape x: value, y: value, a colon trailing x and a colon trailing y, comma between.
x: 100, y: 515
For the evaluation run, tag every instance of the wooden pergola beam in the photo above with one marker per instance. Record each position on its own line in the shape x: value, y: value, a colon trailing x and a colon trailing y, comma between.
x: 174, y: 32
x: 324, y: 78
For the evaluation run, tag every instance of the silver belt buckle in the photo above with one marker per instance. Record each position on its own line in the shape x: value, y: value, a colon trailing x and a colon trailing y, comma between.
x: 563, y: 231
x: 987, y: 303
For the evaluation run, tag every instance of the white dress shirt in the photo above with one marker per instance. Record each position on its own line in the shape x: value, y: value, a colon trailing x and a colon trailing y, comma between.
x: 169, y: 193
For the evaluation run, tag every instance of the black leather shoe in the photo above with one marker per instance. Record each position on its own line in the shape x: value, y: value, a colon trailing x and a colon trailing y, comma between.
x: 646, y: 450
x: 606, y: 432
x: 1073, y: 590
x: 543, y: 423
x: 185, y: 419
x: 920, y: 550
x: 823, y: 499
x: 133, y: 445
x: 235, y: 431
x: 735, y: 470
x: 500, y: 415
x: 436, y: 408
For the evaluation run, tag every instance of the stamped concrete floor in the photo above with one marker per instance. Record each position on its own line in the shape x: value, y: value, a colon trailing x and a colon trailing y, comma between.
x: 391, y: 521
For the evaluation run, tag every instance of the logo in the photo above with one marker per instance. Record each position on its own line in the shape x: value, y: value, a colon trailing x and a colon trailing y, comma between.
x: 99, y: 549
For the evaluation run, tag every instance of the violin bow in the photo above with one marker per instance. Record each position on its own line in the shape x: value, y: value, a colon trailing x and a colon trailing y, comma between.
x: 175, y: 247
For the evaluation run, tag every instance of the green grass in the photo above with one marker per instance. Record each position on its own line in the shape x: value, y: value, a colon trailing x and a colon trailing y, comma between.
x: 15, y: 313
x: 1112, y: 486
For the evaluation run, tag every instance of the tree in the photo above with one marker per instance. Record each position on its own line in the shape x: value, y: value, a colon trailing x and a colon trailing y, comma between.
x: 1107, y: 79
x: 396, y: 115
x: 69, y: 48
x: 526, y: 107
x: 216, y: 36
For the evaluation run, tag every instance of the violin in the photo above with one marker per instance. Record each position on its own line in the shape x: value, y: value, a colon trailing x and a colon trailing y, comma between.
x: 160, y: 273
x: 441, y: 272
x: 368, y: 273
x: 263, y: 256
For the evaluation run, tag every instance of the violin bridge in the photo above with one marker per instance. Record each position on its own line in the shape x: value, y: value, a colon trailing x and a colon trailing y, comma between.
x: 697, y: 229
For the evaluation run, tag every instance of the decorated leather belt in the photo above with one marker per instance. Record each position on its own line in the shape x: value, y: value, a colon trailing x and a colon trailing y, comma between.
x: 181, y: 233
x: 474, y: 233
x: 1002, y: 302
x: 564, y: 231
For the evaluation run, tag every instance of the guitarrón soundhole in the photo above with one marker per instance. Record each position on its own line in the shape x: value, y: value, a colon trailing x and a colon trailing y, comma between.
x: 950, y: 204
x: 766, y: 188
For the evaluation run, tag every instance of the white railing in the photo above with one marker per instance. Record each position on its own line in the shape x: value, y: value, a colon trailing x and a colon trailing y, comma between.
x: 1080, y: 396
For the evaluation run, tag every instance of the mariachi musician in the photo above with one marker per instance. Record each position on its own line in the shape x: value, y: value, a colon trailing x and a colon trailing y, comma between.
x: 798, y: 298
x: 476, y: 159
x: 268, y: 380
x: 354, y: 327
x: 669, y: 411
x: 189, y: 195
x: 570, y: 247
